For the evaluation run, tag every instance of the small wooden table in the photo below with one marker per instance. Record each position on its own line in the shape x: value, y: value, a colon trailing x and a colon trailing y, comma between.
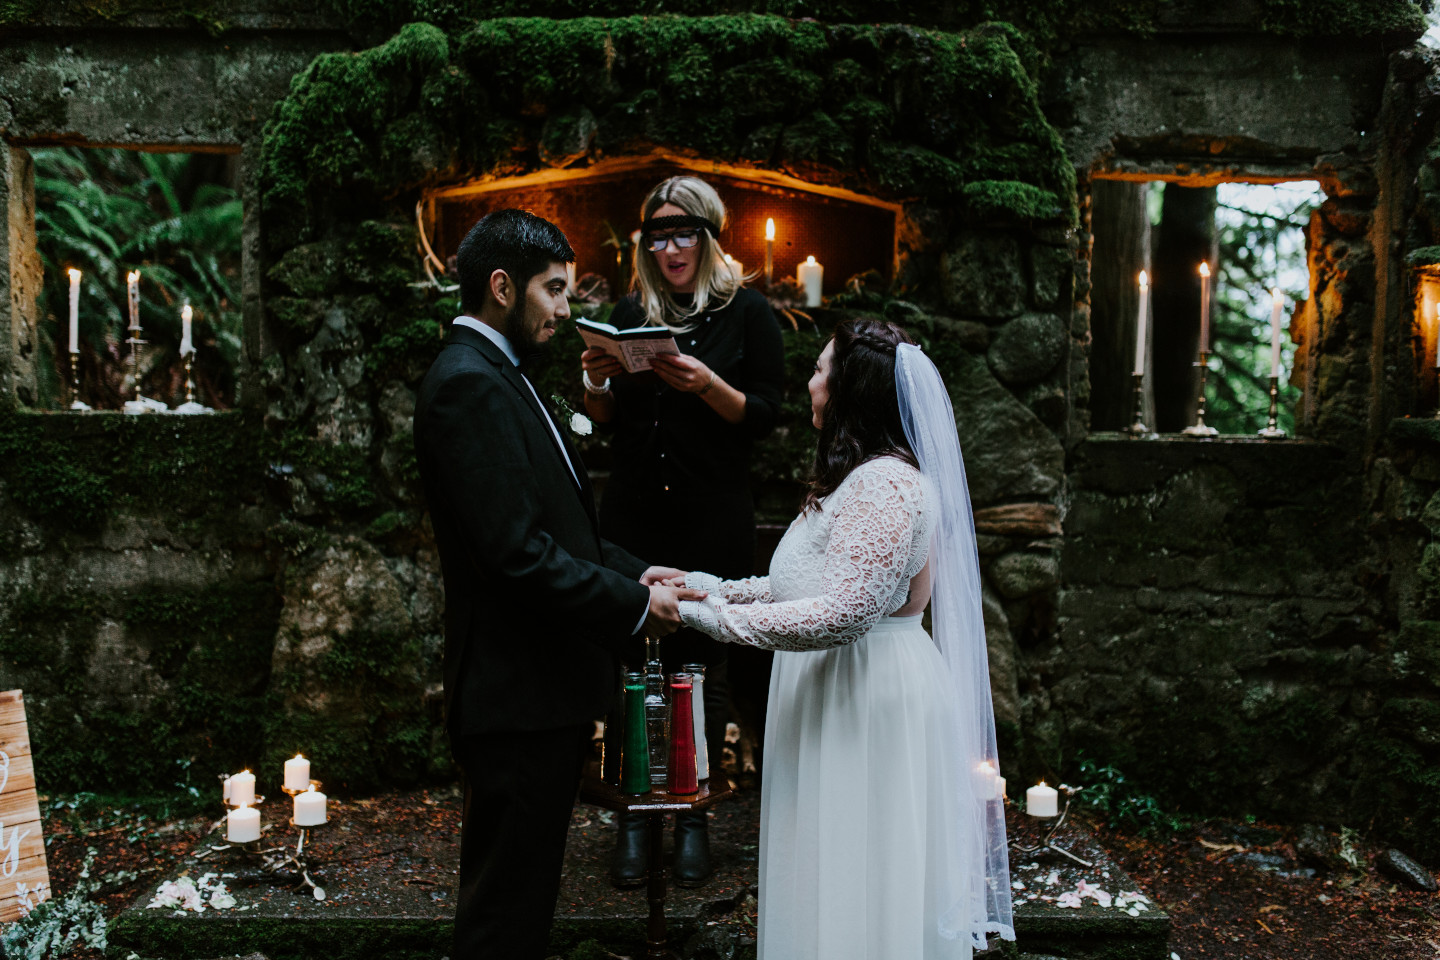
x: 654, y: 805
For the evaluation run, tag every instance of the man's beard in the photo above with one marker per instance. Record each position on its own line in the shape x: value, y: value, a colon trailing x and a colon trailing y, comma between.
x: 522, y: 334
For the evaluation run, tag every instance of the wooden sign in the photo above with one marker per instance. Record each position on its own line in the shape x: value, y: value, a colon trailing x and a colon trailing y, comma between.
x: 24, y: 878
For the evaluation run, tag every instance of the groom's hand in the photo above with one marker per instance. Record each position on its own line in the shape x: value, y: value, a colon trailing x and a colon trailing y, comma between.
x: 656, y: 575
x: 664, y: 615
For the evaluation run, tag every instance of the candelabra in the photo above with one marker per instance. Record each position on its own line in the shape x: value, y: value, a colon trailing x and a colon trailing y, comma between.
x: 1138, y: 428
x: 279, y: 861
x: 1046, y: 842
x: 1198, y: 428
x: 189, y: 379
x: 1271, y: 431
x: 75, y: 402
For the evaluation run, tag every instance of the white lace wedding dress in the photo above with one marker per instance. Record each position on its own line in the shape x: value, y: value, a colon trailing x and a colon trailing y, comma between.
x: 858, y: 803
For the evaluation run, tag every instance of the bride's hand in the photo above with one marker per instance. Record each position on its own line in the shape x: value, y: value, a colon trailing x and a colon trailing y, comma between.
x: 663, y: 576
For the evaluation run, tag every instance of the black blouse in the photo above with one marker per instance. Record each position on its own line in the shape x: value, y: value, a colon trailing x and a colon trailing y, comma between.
x: 681, y: 474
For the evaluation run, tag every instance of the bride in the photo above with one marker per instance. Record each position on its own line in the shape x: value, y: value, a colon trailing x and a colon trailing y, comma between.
x: 882, y: 835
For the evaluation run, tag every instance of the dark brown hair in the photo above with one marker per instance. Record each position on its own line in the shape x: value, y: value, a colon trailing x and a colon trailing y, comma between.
x: 861, y: 419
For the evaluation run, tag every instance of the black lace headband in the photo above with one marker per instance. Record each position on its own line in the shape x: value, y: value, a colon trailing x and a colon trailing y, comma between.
x: 679, y: 220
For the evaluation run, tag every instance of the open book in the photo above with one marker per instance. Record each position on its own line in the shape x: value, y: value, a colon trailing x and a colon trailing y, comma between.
x: 633, y: 347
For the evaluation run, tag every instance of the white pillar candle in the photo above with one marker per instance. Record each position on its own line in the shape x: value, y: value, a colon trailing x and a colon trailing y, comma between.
x: 1003, y: 792
x: 242, y: 789
x: 810, y: 276
x: 1276, y: 304
x: 297, y: 773
x: 769, y: 250
x: 1142, y: 317
x: 242, y: 825
x: 132, y: 285
x: 1042, y: 801
x: 186, y: 314
x: 309, y: 808
x: 74, y: 310
x: 988, y: 784
x: 1204, y: 307
x: 225, y: 790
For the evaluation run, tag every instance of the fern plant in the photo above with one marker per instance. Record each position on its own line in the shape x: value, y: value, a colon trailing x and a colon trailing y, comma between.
x: 174, y: 217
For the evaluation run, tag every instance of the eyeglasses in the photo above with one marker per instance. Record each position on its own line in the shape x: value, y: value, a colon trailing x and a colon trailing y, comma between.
x: 684, y: 240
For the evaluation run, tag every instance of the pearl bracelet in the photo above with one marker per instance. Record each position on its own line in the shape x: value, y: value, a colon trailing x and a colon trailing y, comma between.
x: 590, y: 387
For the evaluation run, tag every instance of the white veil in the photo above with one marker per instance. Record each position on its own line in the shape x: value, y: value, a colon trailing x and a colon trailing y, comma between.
x: 981, y: 903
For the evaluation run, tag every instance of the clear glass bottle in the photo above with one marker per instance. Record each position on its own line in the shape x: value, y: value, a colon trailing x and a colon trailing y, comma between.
x: 682, y: 781
x: 657, y: 718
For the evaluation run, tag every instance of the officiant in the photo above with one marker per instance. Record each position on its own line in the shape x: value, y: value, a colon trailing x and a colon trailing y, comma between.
x: 681, y: 442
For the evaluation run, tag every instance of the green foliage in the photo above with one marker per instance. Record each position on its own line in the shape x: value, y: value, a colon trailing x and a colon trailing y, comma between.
x: 59, y: 926
x: 339, y: 474
x: 1120, y: 802
x: 106, y: 212
x: 1261, y: 239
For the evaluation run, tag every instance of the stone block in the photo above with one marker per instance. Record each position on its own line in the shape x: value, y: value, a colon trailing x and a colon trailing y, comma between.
x: 1017, y: 575
x: 982, y: 275
x: 566, y: 137
x: 1027, y: 348
x: 1009, y: 453
x: 1019, y: 520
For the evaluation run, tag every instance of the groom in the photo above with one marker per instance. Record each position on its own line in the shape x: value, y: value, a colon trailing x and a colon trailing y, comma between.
x: 534, y: 597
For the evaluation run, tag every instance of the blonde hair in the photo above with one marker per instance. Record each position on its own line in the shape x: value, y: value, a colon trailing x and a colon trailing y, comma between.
x: 715, y: 284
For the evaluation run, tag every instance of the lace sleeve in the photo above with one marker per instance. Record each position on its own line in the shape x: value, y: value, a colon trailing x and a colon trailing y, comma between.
x: 865, y: 559
x: 749, y: 590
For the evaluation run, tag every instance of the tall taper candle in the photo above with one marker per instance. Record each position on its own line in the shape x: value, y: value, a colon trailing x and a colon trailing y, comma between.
x: 1276, y: 303
x: 186, y: 314
x: 74, y: 310
x: 132, y: 284
x: 1142, y: 315
x: 1204, y: 307
x: 769, y: 250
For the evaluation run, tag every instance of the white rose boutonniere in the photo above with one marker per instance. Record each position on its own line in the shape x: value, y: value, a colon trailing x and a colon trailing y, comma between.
x: 580, y: 425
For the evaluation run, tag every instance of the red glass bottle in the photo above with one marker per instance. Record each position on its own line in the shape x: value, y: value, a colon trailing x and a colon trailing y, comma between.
x: 681, y: 768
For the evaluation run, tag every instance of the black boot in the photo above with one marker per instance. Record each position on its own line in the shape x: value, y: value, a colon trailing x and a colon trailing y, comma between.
x: 628, y: 869
x: 692, y: 848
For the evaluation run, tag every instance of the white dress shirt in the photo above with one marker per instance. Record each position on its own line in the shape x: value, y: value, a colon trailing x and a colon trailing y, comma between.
x: 499, y: 339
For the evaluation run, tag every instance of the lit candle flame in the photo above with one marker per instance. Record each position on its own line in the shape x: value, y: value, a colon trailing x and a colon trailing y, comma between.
x: 74, y: 274
x: 133, y: 276
x: 770, y: 228
x: 1144, y: 279
x: 729, y: 259
x: 809, y: 259
x: 187, y: 313
x: 1204, y: 268
x: 299, y: 756
x: 1275, y: 295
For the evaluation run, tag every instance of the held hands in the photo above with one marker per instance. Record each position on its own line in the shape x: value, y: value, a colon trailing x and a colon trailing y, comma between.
x: 664, y: 615
x: 682, y: 372
x: 663, y: 575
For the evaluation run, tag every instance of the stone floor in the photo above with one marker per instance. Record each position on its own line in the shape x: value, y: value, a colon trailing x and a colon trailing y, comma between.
x: 403, y: 912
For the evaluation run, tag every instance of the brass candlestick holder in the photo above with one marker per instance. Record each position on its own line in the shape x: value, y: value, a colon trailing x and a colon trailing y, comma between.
x: 1046, y: 843
x: 1198, y: 428
x: 277, y: 861
x: 1270, y: 430
x: 1138, y: 428
x: 75, y: 402
x: 189, y: 380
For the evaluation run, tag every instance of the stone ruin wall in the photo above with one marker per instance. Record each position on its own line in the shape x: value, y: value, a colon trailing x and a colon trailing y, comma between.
x: 1235, y: 625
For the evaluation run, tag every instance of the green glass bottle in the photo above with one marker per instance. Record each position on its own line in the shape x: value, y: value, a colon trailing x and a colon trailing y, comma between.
x: 635, y: 751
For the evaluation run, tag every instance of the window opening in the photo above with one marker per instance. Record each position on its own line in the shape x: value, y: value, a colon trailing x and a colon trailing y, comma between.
x: 175, y: 220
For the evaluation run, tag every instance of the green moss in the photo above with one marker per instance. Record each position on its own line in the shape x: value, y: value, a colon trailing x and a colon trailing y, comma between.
x: 338, y: 475
x: 1423, y: 256
x: 911, y: 112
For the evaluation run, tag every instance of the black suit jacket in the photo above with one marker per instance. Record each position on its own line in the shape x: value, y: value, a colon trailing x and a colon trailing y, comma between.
x: 534, y: 598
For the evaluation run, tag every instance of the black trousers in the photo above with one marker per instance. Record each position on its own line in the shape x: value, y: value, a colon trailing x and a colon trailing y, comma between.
x: 519, y: 790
